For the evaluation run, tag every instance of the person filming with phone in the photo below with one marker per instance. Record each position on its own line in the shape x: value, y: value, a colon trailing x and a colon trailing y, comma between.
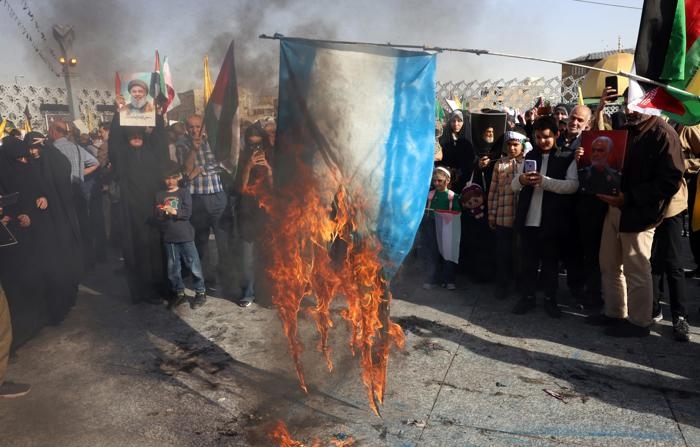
x: 255, y: 178
x: 545, y: 184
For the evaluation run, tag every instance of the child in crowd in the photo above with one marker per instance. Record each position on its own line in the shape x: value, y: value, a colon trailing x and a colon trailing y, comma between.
x: 501, y: 209
x: 174, y: 208
x: 476, y: 259
x: 545, y: 182
x: 441, y: 232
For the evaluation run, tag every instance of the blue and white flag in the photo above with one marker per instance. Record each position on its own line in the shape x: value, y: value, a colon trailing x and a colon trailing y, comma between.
x: 361, y: 117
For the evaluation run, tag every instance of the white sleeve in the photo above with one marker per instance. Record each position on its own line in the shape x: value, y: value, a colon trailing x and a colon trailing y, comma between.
x: 567, y: 186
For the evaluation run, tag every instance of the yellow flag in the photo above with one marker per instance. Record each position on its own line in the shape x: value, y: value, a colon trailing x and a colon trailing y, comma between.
x: 580, y: 95
x: 2, y: 127
x: 208, y: 85
x: 27, y: 126
x: 455, y: 98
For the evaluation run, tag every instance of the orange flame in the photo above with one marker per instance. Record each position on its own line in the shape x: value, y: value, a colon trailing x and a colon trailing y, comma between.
x: 315, y: 225
x: 280, y: 434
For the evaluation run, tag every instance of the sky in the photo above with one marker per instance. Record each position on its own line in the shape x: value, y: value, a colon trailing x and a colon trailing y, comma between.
x: 122, y: 35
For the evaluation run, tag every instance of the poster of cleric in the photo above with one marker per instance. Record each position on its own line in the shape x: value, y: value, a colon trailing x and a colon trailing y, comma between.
x: 136, y: 103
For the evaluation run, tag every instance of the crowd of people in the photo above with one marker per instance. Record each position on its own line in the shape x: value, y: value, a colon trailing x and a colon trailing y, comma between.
x: 154, y: 196
x: 528, y: 216
x: 151, y: 196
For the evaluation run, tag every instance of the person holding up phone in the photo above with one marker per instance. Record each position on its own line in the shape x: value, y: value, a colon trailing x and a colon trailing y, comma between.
x: 254, y: 180
x: 545, y: 196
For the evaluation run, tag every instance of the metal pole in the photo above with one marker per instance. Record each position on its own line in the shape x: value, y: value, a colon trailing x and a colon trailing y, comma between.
x: 65, y: 35
x: 625, y: 74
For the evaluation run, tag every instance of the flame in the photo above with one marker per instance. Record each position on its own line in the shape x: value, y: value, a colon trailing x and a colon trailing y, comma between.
x: 280, y: 434
x: 319, y: 249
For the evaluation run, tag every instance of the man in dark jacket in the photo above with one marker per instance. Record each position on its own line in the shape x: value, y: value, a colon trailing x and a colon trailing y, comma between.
x: 651, y: 175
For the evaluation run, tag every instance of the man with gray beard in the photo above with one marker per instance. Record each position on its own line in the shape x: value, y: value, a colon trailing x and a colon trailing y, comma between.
x: 653, y: 169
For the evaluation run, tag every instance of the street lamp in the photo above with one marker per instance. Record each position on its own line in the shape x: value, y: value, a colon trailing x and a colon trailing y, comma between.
x: 65, y: 35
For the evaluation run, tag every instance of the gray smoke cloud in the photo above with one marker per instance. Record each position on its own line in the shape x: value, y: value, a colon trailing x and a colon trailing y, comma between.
x: 113, y: 35
x: 121, y: 35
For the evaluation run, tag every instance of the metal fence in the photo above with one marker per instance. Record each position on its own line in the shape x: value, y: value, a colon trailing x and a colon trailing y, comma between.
x: 474, y: 95
x: 15, y: 98
x: 513, y: 94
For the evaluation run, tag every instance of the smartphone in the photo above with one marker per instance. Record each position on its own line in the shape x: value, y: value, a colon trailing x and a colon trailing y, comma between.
x: 544, y: 110
x: 530, y: 166
x: 611, y: 81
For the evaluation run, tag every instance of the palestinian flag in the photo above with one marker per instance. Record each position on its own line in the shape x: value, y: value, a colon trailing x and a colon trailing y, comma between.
x: 448, y: 228
x: 668, y: 51
x: 221, y: 113
x: 157, y: 89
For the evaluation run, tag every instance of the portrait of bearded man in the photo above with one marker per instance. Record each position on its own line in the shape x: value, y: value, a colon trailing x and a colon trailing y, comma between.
x: 139, y: 103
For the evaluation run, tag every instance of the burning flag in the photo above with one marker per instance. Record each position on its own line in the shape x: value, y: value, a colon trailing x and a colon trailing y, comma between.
x: 352, y: 169
x: 668, y: 51
x: 221, y: 113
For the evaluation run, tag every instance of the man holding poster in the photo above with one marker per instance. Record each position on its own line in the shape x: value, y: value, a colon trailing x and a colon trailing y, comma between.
x: 599, y: 177
x: 652, y: 172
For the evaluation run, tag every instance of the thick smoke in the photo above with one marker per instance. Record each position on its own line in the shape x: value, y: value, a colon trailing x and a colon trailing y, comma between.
x: 105, y: 31
x: 114, y: 35
x: 257, y: 60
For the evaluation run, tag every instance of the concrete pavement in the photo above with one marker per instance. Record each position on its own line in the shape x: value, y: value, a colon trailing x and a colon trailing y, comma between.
x: 472, y: 374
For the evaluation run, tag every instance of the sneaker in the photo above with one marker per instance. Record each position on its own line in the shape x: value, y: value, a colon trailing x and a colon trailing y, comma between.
x: 199, y: 300
x: 552, y: 308
x: 428, y: 286
x: 657, y: 315
x: 451, y: 286
x: 180, y: 299
x: 10, y: 390
x: 246, y: 301
x: 524, y: 305
x: 681, y: 330
x: 603, y: 320
x: 627, y: 330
